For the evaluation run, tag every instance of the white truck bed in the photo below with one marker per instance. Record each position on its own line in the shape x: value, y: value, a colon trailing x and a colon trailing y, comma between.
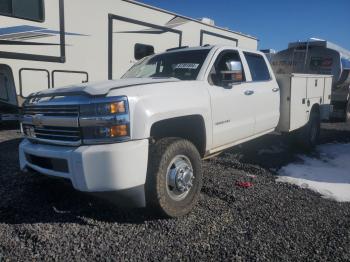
x: 298, y: 92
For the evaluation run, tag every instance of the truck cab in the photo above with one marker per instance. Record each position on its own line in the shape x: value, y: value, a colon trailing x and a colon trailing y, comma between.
x: 140, y: 139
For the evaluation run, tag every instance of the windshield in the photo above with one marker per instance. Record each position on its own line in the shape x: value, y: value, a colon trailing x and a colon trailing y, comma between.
x: 184, y: 65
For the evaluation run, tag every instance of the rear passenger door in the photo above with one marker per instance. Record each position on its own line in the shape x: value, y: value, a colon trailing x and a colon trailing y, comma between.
x: 266, y: 93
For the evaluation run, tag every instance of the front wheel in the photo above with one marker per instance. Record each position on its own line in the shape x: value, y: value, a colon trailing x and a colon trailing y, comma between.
x: 174, y: 177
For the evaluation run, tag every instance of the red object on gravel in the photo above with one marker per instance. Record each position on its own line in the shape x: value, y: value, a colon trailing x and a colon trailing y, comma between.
x: 244, y: 184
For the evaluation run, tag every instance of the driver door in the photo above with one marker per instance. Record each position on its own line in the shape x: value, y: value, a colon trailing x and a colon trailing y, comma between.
x: 233, y: 114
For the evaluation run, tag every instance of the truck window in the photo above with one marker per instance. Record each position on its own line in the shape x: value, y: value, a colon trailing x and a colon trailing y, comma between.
x: 221, y: 73
x: 258, y: 67
x: 25, y: 9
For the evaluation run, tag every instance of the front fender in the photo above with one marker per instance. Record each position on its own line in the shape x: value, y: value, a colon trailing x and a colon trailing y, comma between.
x: 152, y: 108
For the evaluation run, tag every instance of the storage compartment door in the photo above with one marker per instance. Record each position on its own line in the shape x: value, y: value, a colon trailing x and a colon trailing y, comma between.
x: 37, y: 40
x: 315, y: 87
x: 298, y: 107
x: 327, y: 90
x: 210, y: 38
x: 128, y: 33
x: 65, y: 78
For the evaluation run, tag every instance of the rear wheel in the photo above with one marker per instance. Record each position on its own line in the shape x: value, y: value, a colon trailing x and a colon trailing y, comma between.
x: 308, y: 136
x: 174, y: 177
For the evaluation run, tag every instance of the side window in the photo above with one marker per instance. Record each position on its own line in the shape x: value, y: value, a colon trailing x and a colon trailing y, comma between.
x: 258, y: 67
x: 227, y: 70
x: 25, y: 9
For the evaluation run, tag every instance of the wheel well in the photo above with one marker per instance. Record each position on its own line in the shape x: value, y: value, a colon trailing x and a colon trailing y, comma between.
x: 191, y: 128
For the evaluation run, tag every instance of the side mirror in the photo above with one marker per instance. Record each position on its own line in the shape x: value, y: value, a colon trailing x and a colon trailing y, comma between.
x: 141, y: 51
x: 233, y: 73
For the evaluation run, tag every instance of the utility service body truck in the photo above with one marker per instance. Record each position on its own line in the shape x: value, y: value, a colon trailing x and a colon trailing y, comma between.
x: 51, y: 43
x: 141, y: 139
x: 317, y: 56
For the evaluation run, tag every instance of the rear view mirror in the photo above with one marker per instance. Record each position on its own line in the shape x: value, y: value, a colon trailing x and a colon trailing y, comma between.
x: 141, y: 51
x: 232, y: 74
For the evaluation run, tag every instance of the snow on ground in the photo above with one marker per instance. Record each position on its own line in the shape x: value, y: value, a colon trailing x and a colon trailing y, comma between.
x: 329, y: 174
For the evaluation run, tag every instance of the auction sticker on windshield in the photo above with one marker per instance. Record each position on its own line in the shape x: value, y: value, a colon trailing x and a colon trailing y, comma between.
x: 186, y: 66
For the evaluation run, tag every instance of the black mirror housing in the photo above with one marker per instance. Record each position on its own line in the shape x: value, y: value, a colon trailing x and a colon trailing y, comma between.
x: 141, y: 51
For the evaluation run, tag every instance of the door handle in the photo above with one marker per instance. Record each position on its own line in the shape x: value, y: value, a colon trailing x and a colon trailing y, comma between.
x: 276, y: 89
x: 249, y: 92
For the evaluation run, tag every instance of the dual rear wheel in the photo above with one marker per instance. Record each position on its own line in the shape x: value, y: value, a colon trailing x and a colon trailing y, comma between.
x: 308, y: 136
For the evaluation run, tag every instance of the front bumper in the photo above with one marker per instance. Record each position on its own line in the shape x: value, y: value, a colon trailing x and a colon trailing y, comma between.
x: 101, y: 169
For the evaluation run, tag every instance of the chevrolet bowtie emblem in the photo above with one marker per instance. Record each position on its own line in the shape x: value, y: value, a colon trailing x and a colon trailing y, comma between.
x: 38, y: 120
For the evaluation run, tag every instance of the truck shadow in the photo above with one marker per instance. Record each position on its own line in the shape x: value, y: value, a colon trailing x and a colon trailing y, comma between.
x: 38, y: 199
x: 34, y: 198
x: 275, y: 151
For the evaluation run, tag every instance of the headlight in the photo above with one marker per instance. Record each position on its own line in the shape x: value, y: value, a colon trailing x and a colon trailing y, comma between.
x: 104, y: 109
x: 105, y: 120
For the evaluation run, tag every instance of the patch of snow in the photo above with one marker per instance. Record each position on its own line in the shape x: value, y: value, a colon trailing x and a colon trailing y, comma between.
x: 328, y: 175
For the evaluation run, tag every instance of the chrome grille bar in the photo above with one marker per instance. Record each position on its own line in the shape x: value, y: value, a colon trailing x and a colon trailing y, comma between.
x: 70, y: 110
x: 55, y: 121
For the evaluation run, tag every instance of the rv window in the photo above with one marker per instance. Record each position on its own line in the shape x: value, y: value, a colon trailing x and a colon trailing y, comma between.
x: 25, y: 9
x: 141, y: 51
x: 258, y: 67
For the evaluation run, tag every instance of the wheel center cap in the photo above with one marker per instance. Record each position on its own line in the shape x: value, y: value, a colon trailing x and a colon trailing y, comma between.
x: 184, y: 179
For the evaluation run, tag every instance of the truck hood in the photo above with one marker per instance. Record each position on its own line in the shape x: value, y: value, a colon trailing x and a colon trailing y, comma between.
x: 102, y: 88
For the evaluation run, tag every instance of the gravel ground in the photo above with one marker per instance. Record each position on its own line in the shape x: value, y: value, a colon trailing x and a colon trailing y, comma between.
x: 45, y: 219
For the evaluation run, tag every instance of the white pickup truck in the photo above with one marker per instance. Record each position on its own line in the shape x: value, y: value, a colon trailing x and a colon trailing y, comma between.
x: 140, y: 140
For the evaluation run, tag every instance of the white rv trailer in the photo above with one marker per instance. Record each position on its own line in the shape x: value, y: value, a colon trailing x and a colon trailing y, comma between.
x: 50, y: 43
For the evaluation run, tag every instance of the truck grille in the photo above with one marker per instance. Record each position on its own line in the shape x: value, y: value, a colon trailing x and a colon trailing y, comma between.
x: 70, y: 110
x: 55, y: 124
x: 58, y: 133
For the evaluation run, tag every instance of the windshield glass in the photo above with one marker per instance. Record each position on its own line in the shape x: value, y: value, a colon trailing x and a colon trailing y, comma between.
x: 184, y: 65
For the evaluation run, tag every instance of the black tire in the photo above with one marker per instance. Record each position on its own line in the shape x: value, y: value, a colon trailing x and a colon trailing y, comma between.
x: 158, y: 196
x: 308, y: 136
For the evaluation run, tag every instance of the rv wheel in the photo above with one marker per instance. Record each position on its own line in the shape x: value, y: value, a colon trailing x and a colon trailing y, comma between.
x: 174, y: 177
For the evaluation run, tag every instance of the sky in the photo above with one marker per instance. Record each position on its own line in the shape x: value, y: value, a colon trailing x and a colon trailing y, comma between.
x: 274, y: 22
